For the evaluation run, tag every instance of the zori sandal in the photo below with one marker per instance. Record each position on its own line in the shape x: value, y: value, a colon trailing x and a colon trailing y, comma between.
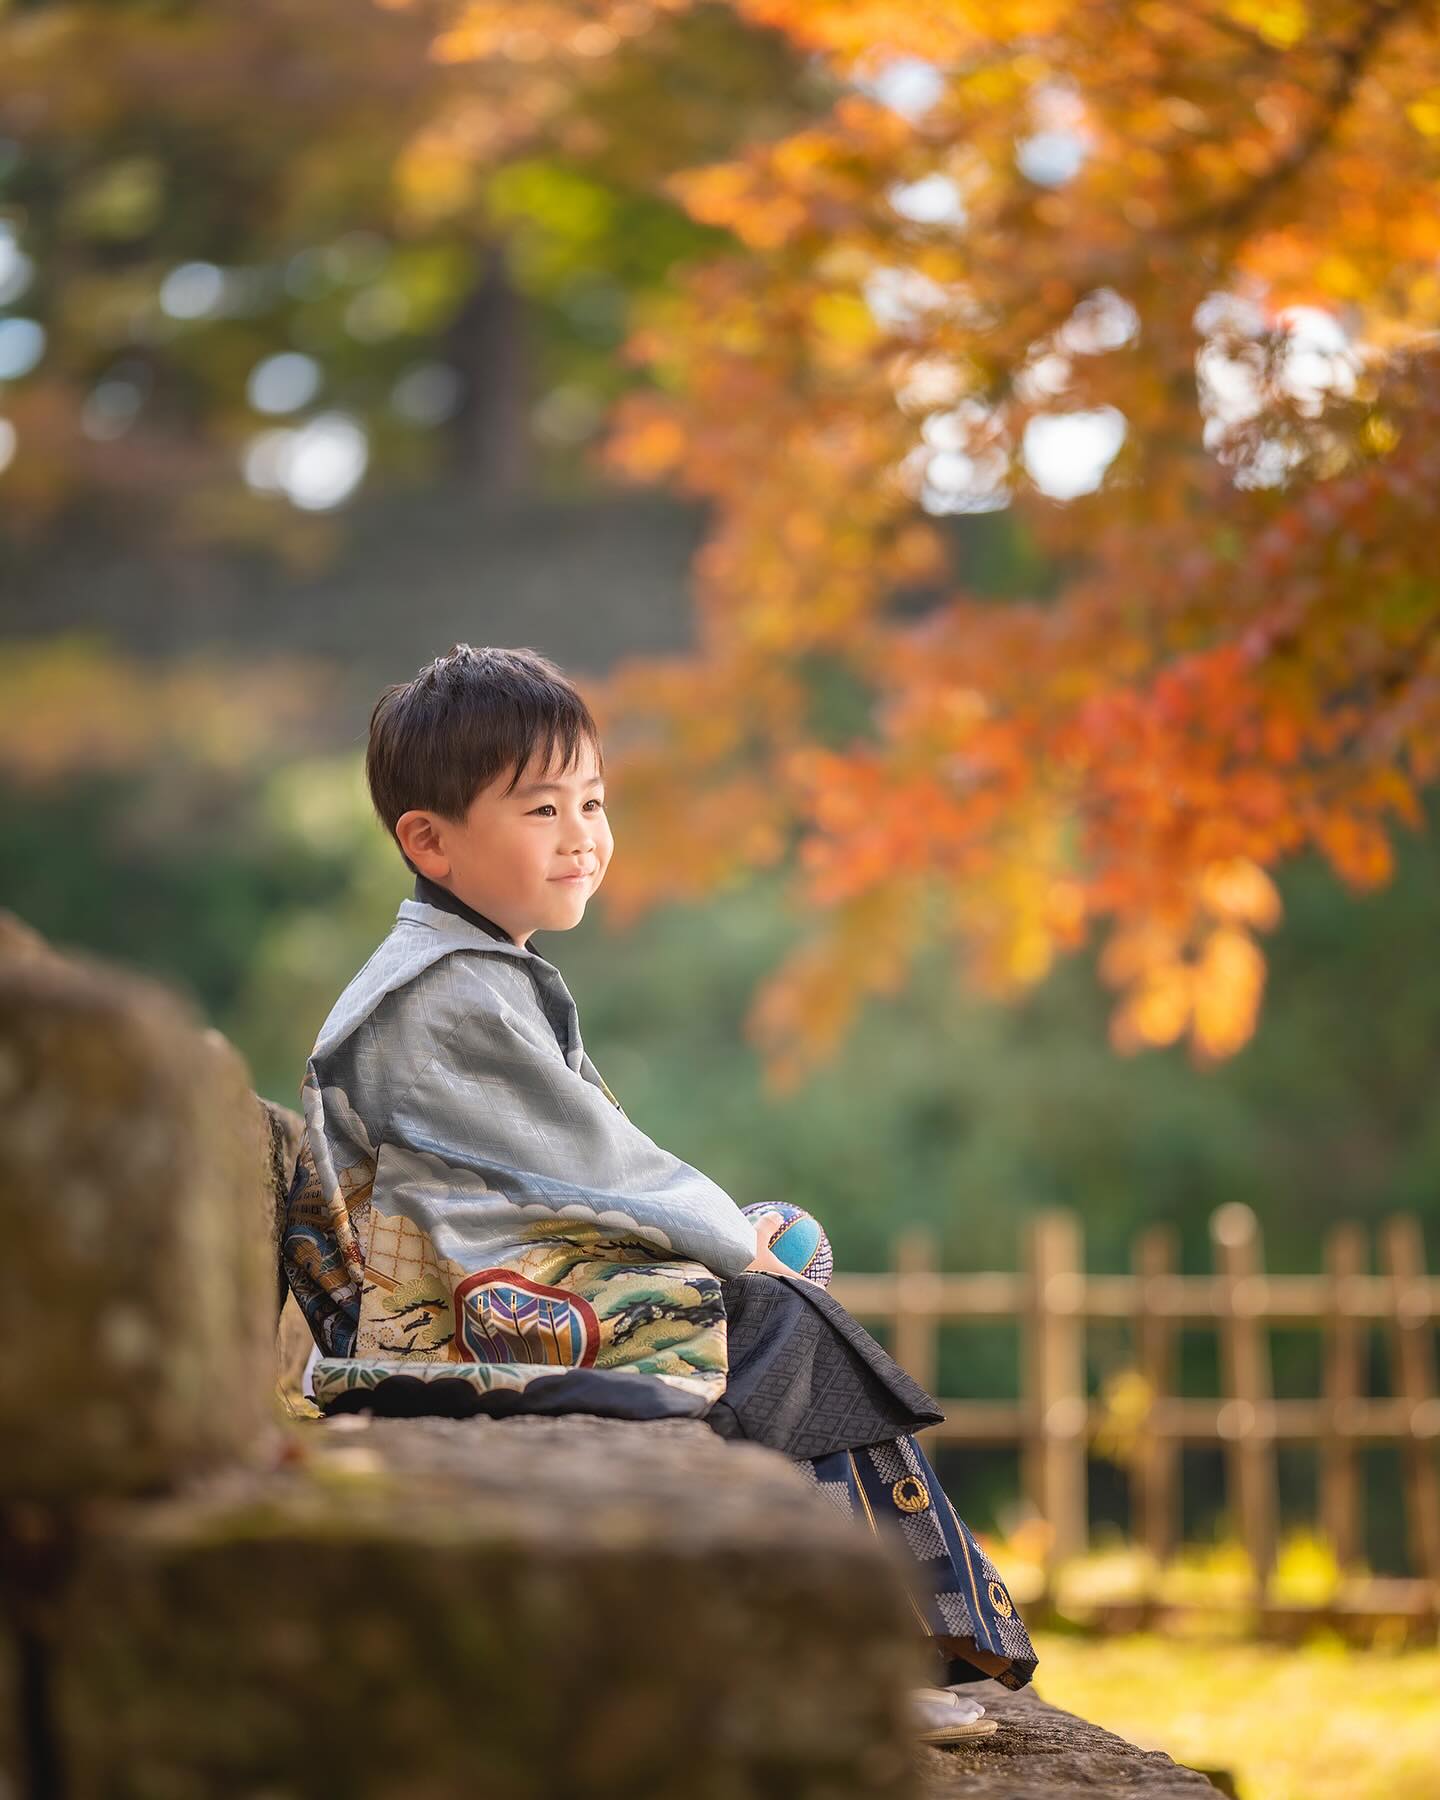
x: 945, y: 1717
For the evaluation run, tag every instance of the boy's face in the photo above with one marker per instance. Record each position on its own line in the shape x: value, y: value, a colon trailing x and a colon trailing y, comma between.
x: 514, y: 857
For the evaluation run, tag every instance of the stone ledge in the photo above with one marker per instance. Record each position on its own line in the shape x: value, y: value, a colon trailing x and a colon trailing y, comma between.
x: 432, y: 1608
x: 1042, y: 1753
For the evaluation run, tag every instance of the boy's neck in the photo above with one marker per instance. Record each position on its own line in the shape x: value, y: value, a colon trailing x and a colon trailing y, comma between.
x: 432, y: 893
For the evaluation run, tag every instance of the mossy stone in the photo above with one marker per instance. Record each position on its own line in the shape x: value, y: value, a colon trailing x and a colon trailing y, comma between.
x: 136, y: 1205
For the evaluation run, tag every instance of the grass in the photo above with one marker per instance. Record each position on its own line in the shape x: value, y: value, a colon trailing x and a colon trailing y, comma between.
x: 1322, y: 1721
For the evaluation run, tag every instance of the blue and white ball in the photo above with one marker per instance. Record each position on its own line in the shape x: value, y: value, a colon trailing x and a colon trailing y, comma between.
x: 799, y: 1240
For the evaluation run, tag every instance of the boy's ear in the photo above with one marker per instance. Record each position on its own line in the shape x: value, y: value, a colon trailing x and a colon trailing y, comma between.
x: 419, y: 837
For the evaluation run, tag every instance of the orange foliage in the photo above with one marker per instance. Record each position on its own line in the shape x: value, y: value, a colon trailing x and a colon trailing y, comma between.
x: 1206, y: 234
x: 1242, y: 660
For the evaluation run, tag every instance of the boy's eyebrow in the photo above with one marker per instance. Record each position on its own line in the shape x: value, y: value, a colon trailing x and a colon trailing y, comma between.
x: 552, y: 787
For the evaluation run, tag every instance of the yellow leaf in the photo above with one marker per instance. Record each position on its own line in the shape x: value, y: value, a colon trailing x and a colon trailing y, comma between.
x: 844, y: 317
x: 1161, y: 1005
x: 1424, y: 115
x: 1239, y: 892
x: 1280, y: 22
x: 1228, y: 979
x: 1379, y: 435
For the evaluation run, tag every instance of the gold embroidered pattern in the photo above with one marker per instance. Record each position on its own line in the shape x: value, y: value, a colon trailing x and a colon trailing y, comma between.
x: 1000, y: 1600
x: 910, y: 1494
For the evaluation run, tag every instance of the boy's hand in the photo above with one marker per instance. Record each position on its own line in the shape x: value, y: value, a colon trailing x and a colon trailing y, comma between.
x: 766, y: 1261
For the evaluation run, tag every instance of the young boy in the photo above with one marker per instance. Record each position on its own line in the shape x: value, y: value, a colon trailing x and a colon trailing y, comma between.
x: 474, y: 1224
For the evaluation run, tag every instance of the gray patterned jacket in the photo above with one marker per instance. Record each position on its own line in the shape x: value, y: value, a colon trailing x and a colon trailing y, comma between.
x: 472, y: 1200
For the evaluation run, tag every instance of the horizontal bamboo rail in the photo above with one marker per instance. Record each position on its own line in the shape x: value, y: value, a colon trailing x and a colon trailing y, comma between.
x: 1187, y: 1299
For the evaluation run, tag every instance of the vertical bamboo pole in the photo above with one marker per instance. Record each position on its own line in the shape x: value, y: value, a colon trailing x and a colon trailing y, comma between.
x: 1053, y: 1381
x: 916, y: 1305
x: 1155, y: 1478
x: 1245, y: 1424
x: 1402, y: 1249
x: 917, y: 1309
x: 1341, y: 1495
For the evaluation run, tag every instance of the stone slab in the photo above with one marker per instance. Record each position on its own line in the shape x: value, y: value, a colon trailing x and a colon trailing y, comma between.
x: 418, y: 1609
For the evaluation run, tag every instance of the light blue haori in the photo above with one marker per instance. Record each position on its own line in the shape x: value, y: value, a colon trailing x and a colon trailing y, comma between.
x: 471, y: 1203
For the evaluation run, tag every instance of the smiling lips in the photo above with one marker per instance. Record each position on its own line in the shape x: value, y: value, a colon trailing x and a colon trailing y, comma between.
x: 578, y: 875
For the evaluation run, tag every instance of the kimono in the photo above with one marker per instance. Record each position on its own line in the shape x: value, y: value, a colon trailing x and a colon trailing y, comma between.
x: 472, y: 1210
x: 474, y: 1225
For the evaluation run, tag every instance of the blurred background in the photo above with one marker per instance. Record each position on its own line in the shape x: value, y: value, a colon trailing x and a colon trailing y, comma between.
x: 844, y: 398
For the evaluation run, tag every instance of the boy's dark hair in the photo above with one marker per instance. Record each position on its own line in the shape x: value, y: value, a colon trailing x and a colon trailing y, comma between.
x: 462, y: 722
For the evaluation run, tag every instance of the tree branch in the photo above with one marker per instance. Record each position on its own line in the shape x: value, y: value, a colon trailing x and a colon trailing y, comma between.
x: 1230, y: 213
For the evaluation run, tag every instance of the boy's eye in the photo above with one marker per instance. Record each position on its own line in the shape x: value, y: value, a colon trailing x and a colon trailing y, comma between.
x: 547, y: 806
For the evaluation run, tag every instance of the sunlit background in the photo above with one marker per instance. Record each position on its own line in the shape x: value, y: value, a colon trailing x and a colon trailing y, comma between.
x: 317, y: 328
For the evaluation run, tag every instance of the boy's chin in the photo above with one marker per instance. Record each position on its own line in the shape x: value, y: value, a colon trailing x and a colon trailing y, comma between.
x: 565, y: 918
x: 566, y: 910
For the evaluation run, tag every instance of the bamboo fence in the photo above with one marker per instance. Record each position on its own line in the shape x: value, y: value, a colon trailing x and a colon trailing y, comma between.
x: 1054, y: 1424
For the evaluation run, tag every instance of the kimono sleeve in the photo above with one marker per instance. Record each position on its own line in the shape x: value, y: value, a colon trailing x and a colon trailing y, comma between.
x: 496, y: 1097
